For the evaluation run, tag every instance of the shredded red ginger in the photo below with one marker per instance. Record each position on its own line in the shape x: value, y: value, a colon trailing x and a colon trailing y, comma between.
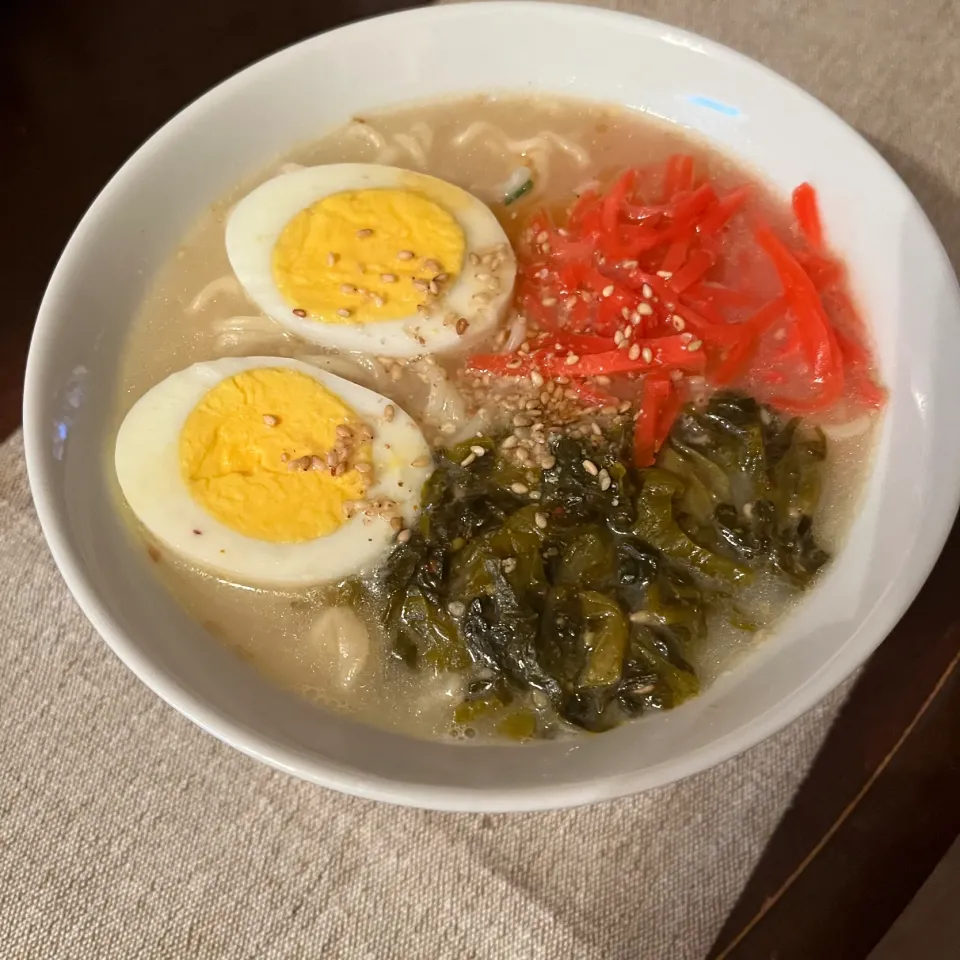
x: 660, y: 278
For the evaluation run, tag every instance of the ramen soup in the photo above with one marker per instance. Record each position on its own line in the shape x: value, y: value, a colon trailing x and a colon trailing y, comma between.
x: 499, y: 419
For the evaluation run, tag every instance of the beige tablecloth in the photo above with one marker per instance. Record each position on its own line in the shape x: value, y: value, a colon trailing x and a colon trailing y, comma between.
x: 126, y: 832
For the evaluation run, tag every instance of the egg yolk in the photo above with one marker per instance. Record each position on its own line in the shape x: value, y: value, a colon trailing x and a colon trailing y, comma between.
x: 242, y: 450
x: 366, y: 255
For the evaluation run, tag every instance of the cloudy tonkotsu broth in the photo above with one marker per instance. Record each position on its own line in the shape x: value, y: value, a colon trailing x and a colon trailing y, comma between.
x: 196, y: 311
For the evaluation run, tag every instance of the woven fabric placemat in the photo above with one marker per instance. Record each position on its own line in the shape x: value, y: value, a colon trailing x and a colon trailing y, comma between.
x: 126, y: 832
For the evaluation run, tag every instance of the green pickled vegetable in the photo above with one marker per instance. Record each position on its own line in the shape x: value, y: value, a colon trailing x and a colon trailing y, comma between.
x: 580, y: 602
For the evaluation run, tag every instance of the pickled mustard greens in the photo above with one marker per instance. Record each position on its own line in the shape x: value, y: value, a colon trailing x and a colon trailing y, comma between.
x: 581, y: 590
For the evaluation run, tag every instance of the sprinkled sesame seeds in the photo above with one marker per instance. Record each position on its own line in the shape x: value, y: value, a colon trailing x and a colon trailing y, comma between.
x: 299, y: 313
x: 422, y: 285
x: 666, y: 274
x: 694, y: 345
x: 644, y: 309
x: 332, y: 259
x: 364, y: 233
x: 421, y: 462
x: 536, y: 378
x: 608, y: 290
x: 519, y: 488
x: 405, y: 255
x: 404, y: 535
x: 269, y: 420
x: 343, y: 312
x: 647, y: 291
x: 572, y: 358
x: 634, y: 351
x: 389, y: 411
x: 590, y: 467
x: 347, y: 288
x: 541, y: 521
x: 647, y: 355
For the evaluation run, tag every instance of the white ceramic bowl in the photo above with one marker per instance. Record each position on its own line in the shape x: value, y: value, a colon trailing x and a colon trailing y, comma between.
x: 897, y: 267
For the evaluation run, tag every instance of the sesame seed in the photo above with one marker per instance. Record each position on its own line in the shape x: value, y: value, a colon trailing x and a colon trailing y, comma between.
x: 456, y: 608
x: 694, y: 345
x: 629, y: 264
x: 618, y: 337
x: 603, y: 380
x: 332, y: 458
x: 536, y: 378
x: 388, y: 412
x: 364, y: 233
x: 432, y: 266
x: 548, y: 462
x: 404, y: 535
x: 484, y: 276
x: 647, y: 355
x: 624, y: 407
x: 647, y: 291
x: 420, y: 284
x: 316, y: 463
x: 433, y: 288
x: 541, y: 521
x: 543, y: 237
x: 605, y: 483
x: 678, y: 322
x: 343, y: 312
x: 269, y: 420
x: 305, y: 463
x: 608, y: 290
x: 344, y: 431
x: 423, y: 309
x: 299, y: 313
x: 405, y: 255
x: 590, y: 467
x: 634, y: 351
x: 284, y: 457
x: 627, y: 332
x: 421, y: 462
x: 519, y: 488
x: 377, y: 300
x: 625, y: 313
x: 332, y: 258
x: 442, y: 277
x: 666, y: 274
x: 468, y: 459
x: 549, y: 301
x: 572, y: 358
x: 388, y: 277
x: 347, y: 288
x: 644, y: 309
x: 474, y: 260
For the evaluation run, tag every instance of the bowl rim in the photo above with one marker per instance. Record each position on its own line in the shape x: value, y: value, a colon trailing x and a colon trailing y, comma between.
x: 354, y: 781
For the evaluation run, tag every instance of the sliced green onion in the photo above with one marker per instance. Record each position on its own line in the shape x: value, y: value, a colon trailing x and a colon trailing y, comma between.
x: 516, y: 194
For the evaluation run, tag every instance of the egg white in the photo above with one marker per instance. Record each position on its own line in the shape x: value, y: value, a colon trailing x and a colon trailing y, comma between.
x: 257, y: 221
x: 147, y: 459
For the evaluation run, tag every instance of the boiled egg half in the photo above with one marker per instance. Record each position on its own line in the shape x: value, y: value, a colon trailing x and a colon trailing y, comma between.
x: 270, y: 472
x: 372, y: 258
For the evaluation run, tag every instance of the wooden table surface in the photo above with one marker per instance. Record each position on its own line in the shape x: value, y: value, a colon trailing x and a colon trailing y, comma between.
x: 83, y: 83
